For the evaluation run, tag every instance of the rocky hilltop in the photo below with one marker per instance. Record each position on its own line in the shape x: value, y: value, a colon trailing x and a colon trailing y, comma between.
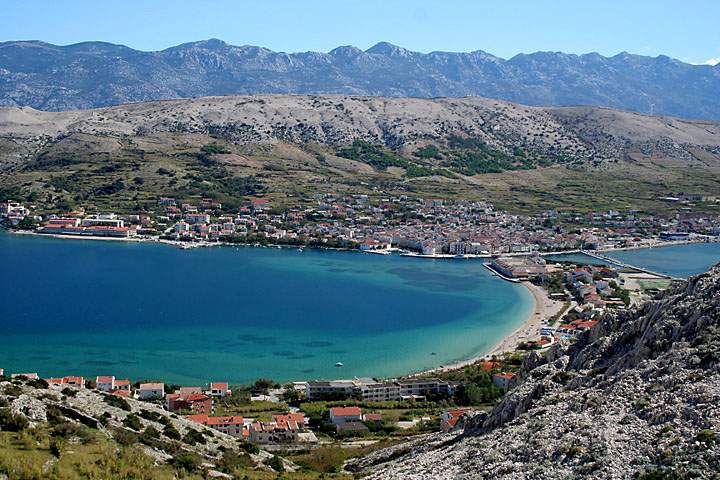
x: 638, y: 396
x: 96, y: 74
x: 587, y: 133
x: 519, y: 157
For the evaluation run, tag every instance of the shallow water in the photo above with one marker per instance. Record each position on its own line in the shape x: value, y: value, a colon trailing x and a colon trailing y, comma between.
x: 149, y: 311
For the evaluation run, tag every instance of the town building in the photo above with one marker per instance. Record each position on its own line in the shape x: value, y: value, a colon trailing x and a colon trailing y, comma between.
x: 193, y: 402
x: 151, y: 391
x: 502, y: 380
x: 105, y: 383
x: 229, y: 425
x: 219, y: 389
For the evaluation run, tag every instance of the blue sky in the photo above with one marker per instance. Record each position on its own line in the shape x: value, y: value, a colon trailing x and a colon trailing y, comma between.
x: 687, y: 30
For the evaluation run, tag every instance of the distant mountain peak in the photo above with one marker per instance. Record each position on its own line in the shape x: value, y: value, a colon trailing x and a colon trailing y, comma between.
x: 346, y: 51
x: 386, y: 48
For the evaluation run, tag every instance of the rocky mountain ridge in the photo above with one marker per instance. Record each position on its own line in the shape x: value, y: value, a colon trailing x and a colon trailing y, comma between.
x: 558, y: 134
x: 638, y: 396
x: 97, y: 74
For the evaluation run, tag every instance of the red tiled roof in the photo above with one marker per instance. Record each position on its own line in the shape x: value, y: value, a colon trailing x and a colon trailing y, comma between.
x: 290, y: 417
x: 232, y: 420
x: 345, y: 411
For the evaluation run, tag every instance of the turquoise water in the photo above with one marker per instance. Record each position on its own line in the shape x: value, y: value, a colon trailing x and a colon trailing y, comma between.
x: 674, y: 260
x: 149, y: 311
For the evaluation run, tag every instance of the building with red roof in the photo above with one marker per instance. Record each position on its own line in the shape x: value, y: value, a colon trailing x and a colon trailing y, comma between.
x: 451, y: 420
x: 342, y: 415
x: 230, y: 425
x: 219, y: 389
x: 193, y: 402
x: 502, y: 380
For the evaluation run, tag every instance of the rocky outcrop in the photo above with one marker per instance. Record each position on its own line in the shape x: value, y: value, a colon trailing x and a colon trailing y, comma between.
x: 637, y: 396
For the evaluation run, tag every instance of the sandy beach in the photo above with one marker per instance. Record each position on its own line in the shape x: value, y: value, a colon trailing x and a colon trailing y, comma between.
x: 544, y: 308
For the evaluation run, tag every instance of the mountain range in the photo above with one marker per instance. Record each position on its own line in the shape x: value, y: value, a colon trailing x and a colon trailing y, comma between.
x: 98, y: 74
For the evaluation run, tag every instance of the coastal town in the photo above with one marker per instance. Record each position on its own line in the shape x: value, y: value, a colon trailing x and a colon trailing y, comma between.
x: 381, y: 224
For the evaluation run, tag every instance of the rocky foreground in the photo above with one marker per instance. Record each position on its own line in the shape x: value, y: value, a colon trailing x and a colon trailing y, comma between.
x: 636, y: 397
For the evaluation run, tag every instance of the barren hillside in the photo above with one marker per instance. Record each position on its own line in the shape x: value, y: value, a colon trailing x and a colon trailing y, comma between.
x: 448, y: 147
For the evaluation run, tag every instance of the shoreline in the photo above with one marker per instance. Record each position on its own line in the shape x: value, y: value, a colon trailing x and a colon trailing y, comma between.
x: 543, y: 308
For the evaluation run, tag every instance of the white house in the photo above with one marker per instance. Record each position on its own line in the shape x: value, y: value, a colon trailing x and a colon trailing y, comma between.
x: 105, y: 383
x: 151, y: 391
x: 219, y: 389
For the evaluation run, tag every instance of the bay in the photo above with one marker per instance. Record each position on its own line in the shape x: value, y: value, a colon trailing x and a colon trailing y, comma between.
x: 150, y: 311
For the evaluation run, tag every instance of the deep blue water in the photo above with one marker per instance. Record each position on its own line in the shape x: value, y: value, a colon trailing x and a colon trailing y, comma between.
x: 149, y: 311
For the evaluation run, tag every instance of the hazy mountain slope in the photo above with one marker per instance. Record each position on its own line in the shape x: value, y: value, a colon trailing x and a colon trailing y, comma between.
x: 636, y: 397
x: 94, y: 74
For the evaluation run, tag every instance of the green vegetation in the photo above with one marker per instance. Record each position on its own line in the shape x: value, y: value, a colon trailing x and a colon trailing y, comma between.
x: 46, y: 454
x: 380, y: 159
x: 132, y: 421
x: 428, y: 152
x: 372, y: 155
x: 214, y: 148
x: 118, y: 402
x: 471, y: 156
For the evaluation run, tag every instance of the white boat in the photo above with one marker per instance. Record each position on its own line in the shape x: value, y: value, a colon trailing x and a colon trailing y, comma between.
x: 339, y: 364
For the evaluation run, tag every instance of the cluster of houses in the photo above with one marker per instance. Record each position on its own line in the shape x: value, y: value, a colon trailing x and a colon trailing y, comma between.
x: 591, y: 285
x: 373, y: 390
x: 429, y: 227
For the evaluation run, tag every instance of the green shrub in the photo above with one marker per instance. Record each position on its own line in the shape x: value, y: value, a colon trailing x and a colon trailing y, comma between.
x: 37, y: 383
x: 12, y: 391
x: 70, y: 430
x: 149, y: 435
x: 706, y: 436
x: 187, y: 461
x: 171, y: 432
x: 68, y: 392
x: 276, y: 464
x: 54, y: 415
x: 231, y: 461
x: 104, y: 419
x: 125, y: 438
x: 12, y: 422
x: 149, y: 415
x: 249, y: 447
x: 133, y: 422
x: 117, y: 402
x: 193, y: 437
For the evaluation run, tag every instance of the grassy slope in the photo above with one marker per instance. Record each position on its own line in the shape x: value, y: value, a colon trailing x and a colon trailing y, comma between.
x: 79, y: 167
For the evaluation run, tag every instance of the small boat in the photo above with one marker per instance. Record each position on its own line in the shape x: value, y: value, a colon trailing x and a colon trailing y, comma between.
x: 300, y: 249
x: 433, y: 353
x: 339, y: 364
